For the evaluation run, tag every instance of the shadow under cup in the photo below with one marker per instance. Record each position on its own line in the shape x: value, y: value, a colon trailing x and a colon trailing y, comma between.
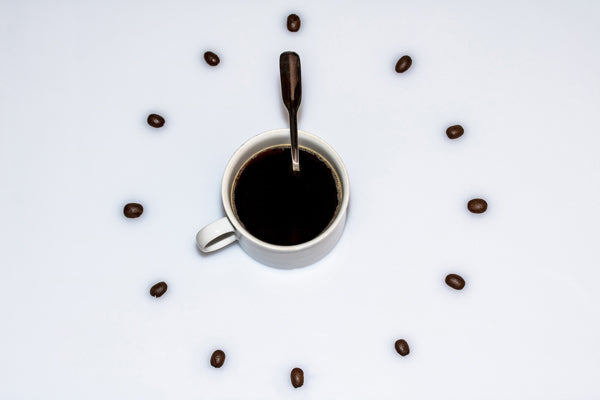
x: 282, y: 207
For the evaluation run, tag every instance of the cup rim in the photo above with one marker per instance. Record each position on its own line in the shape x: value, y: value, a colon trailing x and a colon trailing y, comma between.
x: 330, y: 156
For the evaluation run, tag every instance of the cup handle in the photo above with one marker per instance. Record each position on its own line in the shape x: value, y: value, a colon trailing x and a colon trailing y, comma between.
x: 216, y: 235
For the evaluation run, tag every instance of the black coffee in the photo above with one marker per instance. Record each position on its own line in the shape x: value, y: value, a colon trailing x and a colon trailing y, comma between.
x: 281, y: 207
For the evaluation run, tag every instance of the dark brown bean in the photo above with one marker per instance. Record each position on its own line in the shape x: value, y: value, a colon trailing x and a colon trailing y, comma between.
x: 211, y: 58
x: 455, y: 281
x: 155, y: 120
x: 217, y: 359
x: 402, y: 347
x: 403, y: 64
x: 477, y: 206
x: 297, y: 377
x: 133, y: 210
x: 455, y: 131
x: 158, y: 289
x: 293, y: 23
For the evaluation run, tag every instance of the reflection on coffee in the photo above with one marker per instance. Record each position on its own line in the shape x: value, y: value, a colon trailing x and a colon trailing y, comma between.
x: 281, y: 207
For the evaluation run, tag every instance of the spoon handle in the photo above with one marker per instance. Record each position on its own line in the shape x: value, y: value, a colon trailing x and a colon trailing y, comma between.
x: 294, y: 140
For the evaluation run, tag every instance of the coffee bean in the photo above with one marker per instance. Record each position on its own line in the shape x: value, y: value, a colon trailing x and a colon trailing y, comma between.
x: 211, y: 58
x: 158, y: 290
x: 402, y: 347
x: 155, y: 120
x: 455, y: 131
x: 297, y: 377
x: 403, y: 64
x: 293, y: 23
x: 217, y: 359
x: 133, y: 210
x: 477, y: 206
x: 455, y: 281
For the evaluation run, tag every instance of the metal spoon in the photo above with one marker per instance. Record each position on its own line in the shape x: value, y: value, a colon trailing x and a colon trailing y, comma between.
x: 291, y: 90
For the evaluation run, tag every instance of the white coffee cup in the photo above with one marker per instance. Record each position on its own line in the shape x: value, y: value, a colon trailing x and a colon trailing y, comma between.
x: 227, y: 230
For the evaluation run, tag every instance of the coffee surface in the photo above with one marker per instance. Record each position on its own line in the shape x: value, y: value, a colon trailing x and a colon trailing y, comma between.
x: 281, y: 207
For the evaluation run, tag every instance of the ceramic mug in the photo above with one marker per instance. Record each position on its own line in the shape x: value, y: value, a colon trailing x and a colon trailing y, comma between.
x: 227, y: 230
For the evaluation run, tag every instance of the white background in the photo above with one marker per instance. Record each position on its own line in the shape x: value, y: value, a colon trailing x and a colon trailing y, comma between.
x: 77, y: 80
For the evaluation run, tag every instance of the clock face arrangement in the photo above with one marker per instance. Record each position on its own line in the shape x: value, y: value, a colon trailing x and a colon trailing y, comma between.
x: 468, y: 265
x: 135, y: 210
